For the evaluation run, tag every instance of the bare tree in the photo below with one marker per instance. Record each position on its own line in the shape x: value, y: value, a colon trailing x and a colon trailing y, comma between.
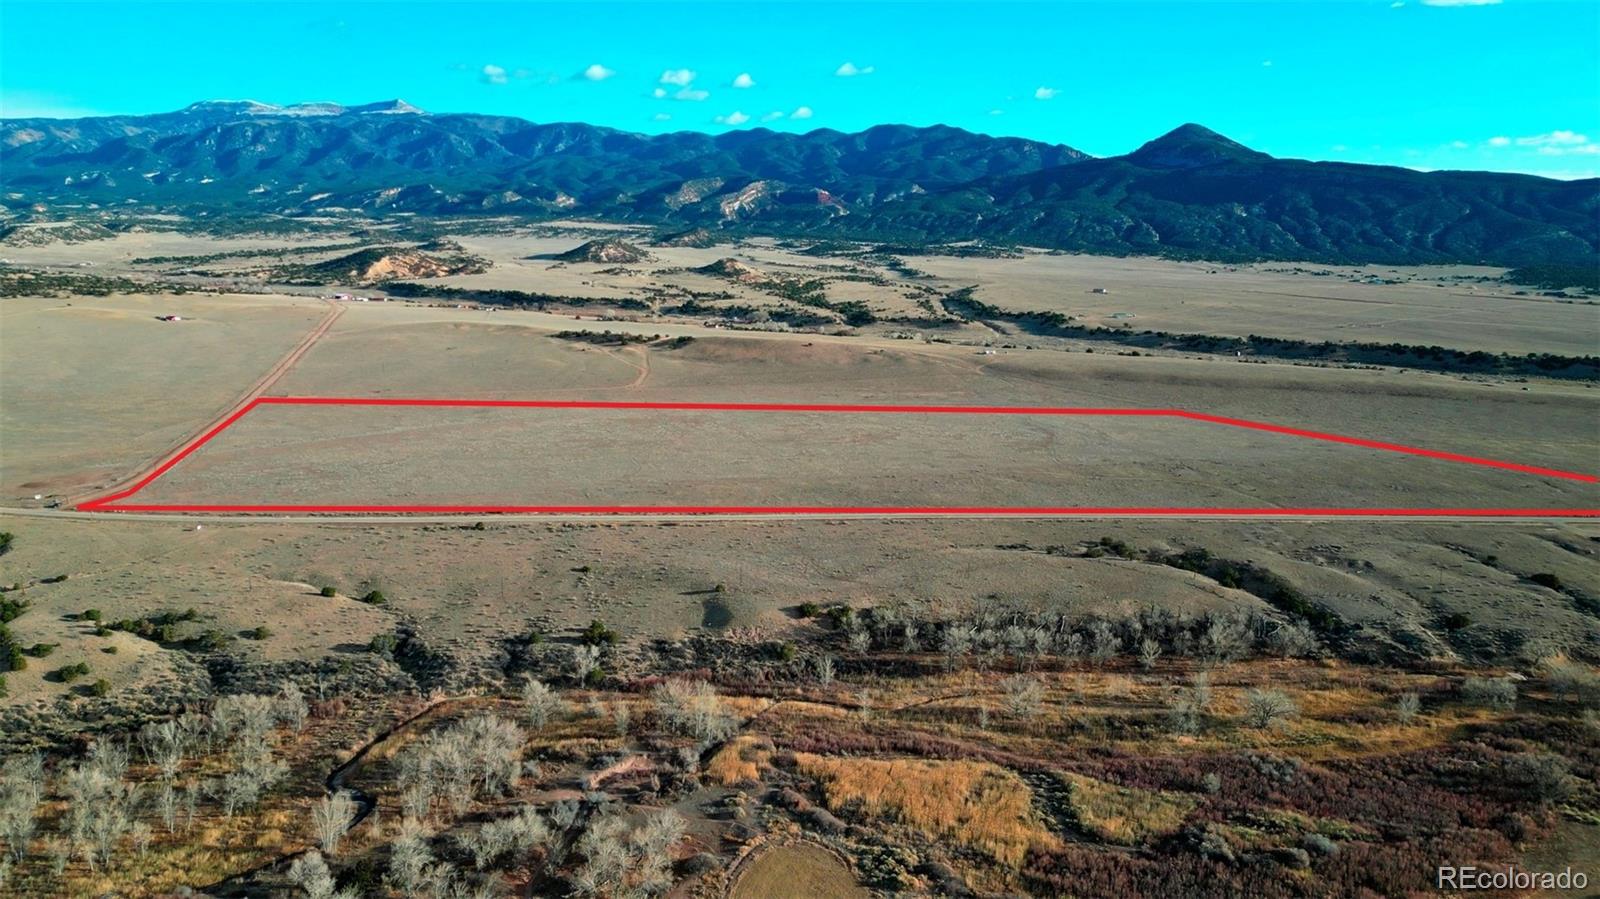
x: 585, y: 659
x: 1149, y: 653
x: 1023, y: 695
x: 619, y: 859
x: 164, y: 744
x: 539, y: 703
x: 479, y: 755
x: 1268, y: 708
x: 167, y: 806
x: 21, y: 789
x: 99, y: 802
x: 291, y: 708
x: 956, y: 642
x: 824, y: 665
x: 410, y: 858
x: 518, y: 835
x: 693, y: 709
x: 1224, y: 638
x: 1103, y: 642
x: 1294, y: 639
x: 331, y: 818
x: 310, y: 873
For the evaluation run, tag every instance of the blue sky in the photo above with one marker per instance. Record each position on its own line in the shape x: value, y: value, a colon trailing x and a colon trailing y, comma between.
x: 1509, y: 86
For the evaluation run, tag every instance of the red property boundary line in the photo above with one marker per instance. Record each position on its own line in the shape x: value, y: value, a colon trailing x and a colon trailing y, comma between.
x: 113, y: 502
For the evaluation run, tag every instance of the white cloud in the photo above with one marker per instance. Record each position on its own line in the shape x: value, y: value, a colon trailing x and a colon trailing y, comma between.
x: 1266, y: 63
x: 662, y: 117
x: 803, y: 112
x: 850, y: 70
x: 1460, y: 2
x: 1554, y: 139
x: 1397, y: 4
x: 691, y: 94
x: 1458, y: 145
x: 997, y: 112
x: 773, y: 116
x: 493, y: 74
x: 598, y: 72
x: 1338, y: 148
x: 1046, y: 93
x: 1580, y: 150
x: 732, y: 118
x: 677, y: 77
x: 659, y: 93
x: 1553, y: 143
x: 744, y: 80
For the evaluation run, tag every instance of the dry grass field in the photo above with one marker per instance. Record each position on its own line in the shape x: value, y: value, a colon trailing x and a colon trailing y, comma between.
x: 341, y: 455
x: 90, y: 387
x: 1446, y: 305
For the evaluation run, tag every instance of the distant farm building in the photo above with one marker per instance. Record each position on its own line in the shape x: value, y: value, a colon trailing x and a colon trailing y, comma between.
x: 170, y: 318
x: 1099, y: 290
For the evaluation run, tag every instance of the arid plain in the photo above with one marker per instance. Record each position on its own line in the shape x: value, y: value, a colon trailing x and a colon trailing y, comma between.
x: 410, y: 625
x: 125, y: 390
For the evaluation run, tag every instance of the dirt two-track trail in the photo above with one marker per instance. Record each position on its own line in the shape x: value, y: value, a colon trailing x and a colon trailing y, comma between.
x: 260, y: 387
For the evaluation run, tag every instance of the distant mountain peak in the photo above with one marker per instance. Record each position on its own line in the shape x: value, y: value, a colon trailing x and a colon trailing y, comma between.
x: 396, y: 106
x: 1190, y: 145
x: 255, y: 108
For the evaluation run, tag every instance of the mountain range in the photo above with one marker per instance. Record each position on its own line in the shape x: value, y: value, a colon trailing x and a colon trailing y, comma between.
x: 1189, y: 193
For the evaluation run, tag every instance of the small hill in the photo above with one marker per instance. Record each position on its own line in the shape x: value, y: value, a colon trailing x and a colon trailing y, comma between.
x: 735, y: 270
x: 389, y: 264
x: 698, y: 238
x: 610, y: 252
x: 46, y: 233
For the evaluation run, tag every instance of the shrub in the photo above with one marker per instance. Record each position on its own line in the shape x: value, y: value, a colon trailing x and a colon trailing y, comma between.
x: 100, y: 687
x: 809, y: 610
x: 329, y: 592
x: 66, y: 674
x: 375, y: 598
x: 1489, y: 692
x: 90, y: 615
x: 41, y: 650
x: 1407, y: 707
x: 259, y: 632
x: 10, y: 609
x: 597, y: 634
x: 1546, y: 579
x: 1543, y: 775
x: 382, y: 644
x: 1317, y: 844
